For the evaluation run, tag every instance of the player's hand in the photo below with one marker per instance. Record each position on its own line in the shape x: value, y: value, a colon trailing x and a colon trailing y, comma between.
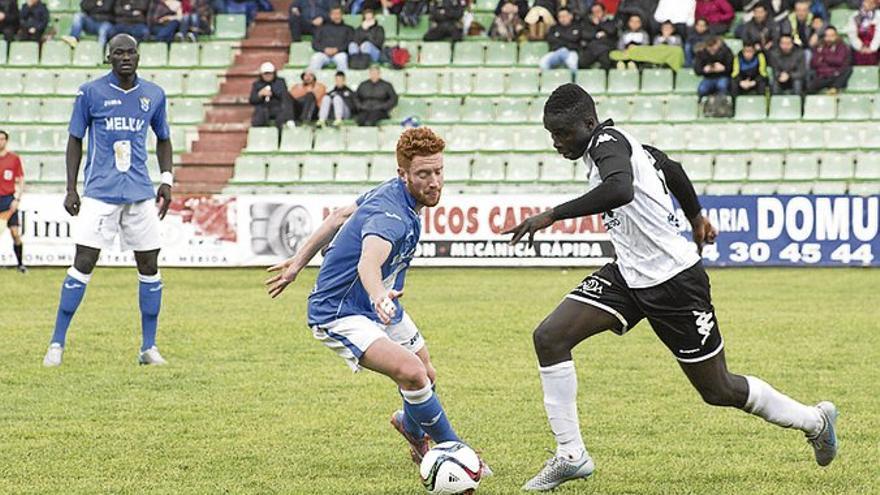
x: 71, y: 203
x: 287, y: 272
x: 385, y: 308
x: 530, y: 226
x: 163, y: 200
x: 704, y: 232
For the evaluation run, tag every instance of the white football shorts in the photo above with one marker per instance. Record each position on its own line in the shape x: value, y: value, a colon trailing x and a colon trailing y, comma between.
x: 351, y: 336
x: 136, y: 224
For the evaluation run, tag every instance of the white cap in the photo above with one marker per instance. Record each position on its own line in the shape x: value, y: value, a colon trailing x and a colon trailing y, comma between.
x: 266, y: 67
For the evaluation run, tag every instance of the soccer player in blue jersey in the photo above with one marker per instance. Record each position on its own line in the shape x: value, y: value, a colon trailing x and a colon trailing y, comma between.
x: 354, y: 308
x: 115, y: 111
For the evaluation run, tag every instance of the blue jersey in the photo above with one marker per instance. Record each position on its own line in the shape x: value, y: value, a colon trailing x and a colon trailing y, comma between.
x: 387, y: 211
x: 116, y: 121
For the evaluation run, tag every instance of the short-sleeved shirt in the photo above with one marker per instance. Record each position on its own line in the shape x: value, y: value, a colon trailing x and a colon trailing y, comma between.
x: 387, y: 211
x: 10, y: 171
x: 116, y: 121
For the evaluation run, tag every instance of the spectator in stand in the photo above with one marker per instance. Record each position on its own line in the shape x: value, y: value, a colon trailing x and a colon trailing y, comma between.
x: 446, y: 20
x: 355, y: 7
x: 749, y: 72
x: 678, y: 12
x: 634, y: 34
x: 247, y: 7
x: 375, y: 99
x: 369, y: 37
x: 331, y: 42
x: 95, y: 17
x: 718, y: 13
x: 165, y: 18
x: 131, y: 18
x: 564, y: 40
x: 667, y: 35
x: 508, y: 25
x: 600, y: 37
x: 270, y: 99
x: 644, y: 9
x: 777, y: 10
x: 540, y: 18
x: 8, y: 19
x: 789, y: 67
x: 522, y: 7
x: 33, y: 21
x: 306, y: 16
x: 799, y: 24
x: 852, y: 4
x: 760, y: 31
x: 338, y: 103
x: 863, y: 31
x: 831, y: 66
x: 198, y: 18
x: 307, y: 97
x: 697, y: 36
x: 715, y: 63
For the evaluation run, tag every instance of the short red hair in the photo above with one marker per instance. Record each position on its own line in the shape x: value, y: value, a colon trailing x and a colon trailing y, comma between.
x: 419, y: 141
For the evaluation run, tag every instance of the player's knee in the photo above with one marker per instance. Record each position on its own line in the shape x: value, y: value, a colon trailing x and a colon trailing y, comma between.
x: 85, y: 260
x: 147, y: 263
x: 547, y: 341
x: 412, y: 375
x: 431, y: 373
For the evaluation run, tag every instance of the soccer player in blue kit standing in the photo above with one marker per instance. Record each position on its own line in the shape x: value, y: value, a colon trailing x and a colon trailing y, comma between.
x: 116, y: 111
x: 354, y: 308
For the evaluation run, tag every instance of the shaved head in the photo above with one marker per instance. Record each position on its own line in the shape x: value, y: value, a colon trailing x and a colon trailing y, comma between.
x: 122, y: 54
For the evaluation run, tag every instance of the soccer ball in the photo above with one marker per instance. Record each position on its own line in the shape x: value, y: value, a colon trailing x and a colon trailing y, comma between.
x: 450, y: 468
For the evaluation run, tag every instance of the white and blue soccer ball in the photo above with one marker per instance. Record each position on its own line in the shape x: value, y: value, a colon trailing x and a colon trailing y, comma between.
x: 450, y: 468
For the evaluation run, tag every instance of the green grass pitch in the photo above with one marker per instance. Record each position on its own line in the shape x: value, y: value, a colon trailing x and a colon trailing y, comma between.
x: 250, y: 403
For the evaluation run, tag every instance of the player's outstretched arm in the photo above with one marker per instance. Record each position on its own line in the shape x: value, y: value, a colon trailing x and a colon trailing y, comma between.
x: 72, y: 156
x: 290, y: 268
x: 373, y: 254
x: 165, y: 154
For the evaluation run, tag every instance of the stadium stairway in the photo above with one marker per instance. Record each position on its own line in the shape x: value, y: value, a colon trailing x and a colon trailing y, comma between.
x: 223, y: 134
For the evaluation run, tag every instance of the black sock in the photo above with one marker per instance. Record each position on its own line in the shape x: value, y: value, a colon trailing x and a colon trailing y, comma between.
x: 17, y: 249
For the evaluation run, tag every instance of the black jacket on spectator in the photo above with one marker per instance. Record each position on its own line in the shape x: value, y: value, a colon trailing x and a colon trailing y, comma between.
x: 331, y: 35
x: 607, y: 26
x: 753, y: 33
x: 375, y: 35
x: 642, y: 8
x: 704, y: 58
x: 131, y: 11
x: 794, y: 62
x: 446, y: 11
x: 279, y: 92
x: 99, y: 10
x: 158, y: 10
x: 521, y: 5
x: 36, y: 17
x: 559, y: 36
x: 10, y: 8
x: 348, y: 96
x: 374, y: 101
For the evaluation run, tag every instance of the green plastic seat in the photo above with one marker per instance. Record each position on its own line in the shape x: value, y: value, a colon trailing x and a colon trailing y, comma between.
x: 23, y: 110
x: 698, y: 166
x: 31, y: 165
x: 416, y: 32
x: 478, y: 111
x: 875, y: 108
x: 485, y: 5
x: 23, y: 54
x: 623, y: 82
x: 657, y: 81
x: 487, y: 168
x: 462, y: 139
x: 536, y: 111
x: 55, y: 54
x: 87, y: 54
x: 230, y: 27
x: 3, y: 49
x: 422, y: 82
x: 216, y: 54
x: 383, y: 167
x: 836, y: 166
x: 262, y: 139
x: 201, y: 83
x: 867, y: 166
x: 671, y: 138
x: 53, y: 169
x: 511, y: 110
x: 362, y: 139
x: 468, y: 54
x: 766, y: 167
x: 864, y: 188
x: 523, y: 83
x: 840, y: 17
x: 69, y: 81
x: 456, y: 82
x: 457, y: 167
x: 532, y: 138
x: 169, y: 80
x: 410, y: 107
x: 735, y: 137
x: 296, y: 140
x: 831, y: 187
x: 723, y: 189
x: 795, y: 188
x: 38, y: 138
x: 864, y: 79
x: 249, y: 169
x: 820, y: 108
x: 556, y: 168
x: 397, y: 79
x: 56, y: 110
x: 488, y: 83
x: 39, y: 82
x: 329, y: 141
x: 435, y: 54
x: 801, y: 166
x: 759, y: 188
x: 523, y: 167
x: 592, y: 80
x: 186, y: 111
x: 734, y: 44
x: 530, y: 53
x: 750, y: 108
x: 840, y: 136
x: 647, y: 109
x: 785, y: 108
x: 183, y: 55
x: 352, y: 168
x: 500, y: 54
x: 11, y: 81
x: 552, y: 79
x: 318, y: 168
x: 490, y: 139
x: 806, y: 137
x: 617, y: 109
x: 681, y: 109
x: 854, y: 107
x: 388, y: 23
x: 686, y: 82
x: 704, y: 137
x: 153, y: 54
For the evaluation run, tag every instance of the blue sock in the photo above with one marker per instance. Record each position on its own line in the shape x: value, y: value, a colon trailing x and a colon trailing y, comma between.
x: 425, y: 409
x: 72, y: 291
x: 410, y: 425
x: 149, y: 299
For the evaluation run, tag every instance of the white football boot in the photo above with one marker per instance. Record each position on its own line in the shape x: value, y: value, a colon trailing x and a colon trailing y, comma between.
x: 53, y: 356
x: 558, y: 470
x: 825, y: 442
x: 151, y: 357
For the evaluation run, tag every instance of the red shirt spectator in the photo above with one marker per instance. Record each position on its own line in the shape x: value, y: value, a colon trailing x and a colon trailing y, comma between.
x: 10, y: 171
x: 718, y: 13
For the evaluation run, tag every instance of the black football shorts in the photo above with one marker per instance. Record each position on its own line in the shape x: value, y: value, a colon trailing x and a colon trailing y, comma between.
x: 679, y: 310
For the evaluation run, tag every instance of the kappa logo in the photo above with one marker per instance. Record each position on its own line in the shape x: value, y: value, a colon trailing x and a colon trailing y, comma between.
x: 145, y: 103
x: 604, y: 138
x: 704, y: 324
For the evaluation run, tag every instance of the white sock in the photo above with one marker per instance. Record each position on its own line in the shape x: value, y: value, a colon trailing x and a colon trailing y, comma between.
x: 560, y: 401
x: 777, y: 408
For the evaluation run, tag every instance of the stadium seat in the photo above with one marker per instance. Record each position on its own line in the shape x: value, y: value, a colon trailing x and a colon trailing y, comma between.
x: 842, y: 136
x: 186, y: 111
x: 766, y: 167
x: 87, y: 54
x: 785, y: 107
x: 800, y: 166
x: 806, y: 137
x: 532, y: 138
x: 457, y: 167
x: 681, y: 109
x: 488, y: 168
x: 478, y: 111
x: 670, y: 138
x: 11, y: 81
x: 329, y: 140
x: 552, y: 79
x: 864, y: 80
x: 820, y: 108
x: 836, y: 166
x: 169, y: 80
x: 686, y: 82
x: 615, y: 108
x: 215, y: 54
x: 829, y: 187
x: 32, y: 165
x: 463, y: 139
x: 362, y: 140
x: 704, y: 137
x: 410, y: 107
x: 759, y: 188
x: 23, y: 111
x: 230, y: 27
x: 55, y: 54
x: 396, y: 78
x: 488, y: 83
x: 530, y: 53
x: 56, y: 110
x: 723, y: 188
x: 39, y: 82
x: 296, y: 140
x: 556, y: 168
x: 183, y: 55
x: 592, y: 80
x: 300, y: 53
x: 697, y: 165
x: 201, y: 83
x: 523, y: 167
x: 249, y: 168
x: 867, y: 166
x: 865, y: 188
x: 422, y: 82
x: 153, y: 54
x: 53, y: 169
x: 285, y: 169
x: 854, y: 107
x: 69, y: 81
x: 456, y: 82
x: 492, y: 138
x: 536, y: 110
x: 750, y: 108
x: 794, y: 188
x: 523, y: 83
x: 317, y: 168
x: 875, y: 108
x: 730, y: 168
x: 657, y: 81
x: 736, y: 137
x: 500, y: 54
x: 435, y: 54
x: 352, y: 168
x: 23, y: 54
x: 383, y: 167
x: 647, y: 109
x: 262, y: 139
x: 414, y: 32
x: 445, y: 110
x: 734, y: 44
x: 468, y: 54
x: 3, y: 49
x: 510, y: 110
x: 39, y: 139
